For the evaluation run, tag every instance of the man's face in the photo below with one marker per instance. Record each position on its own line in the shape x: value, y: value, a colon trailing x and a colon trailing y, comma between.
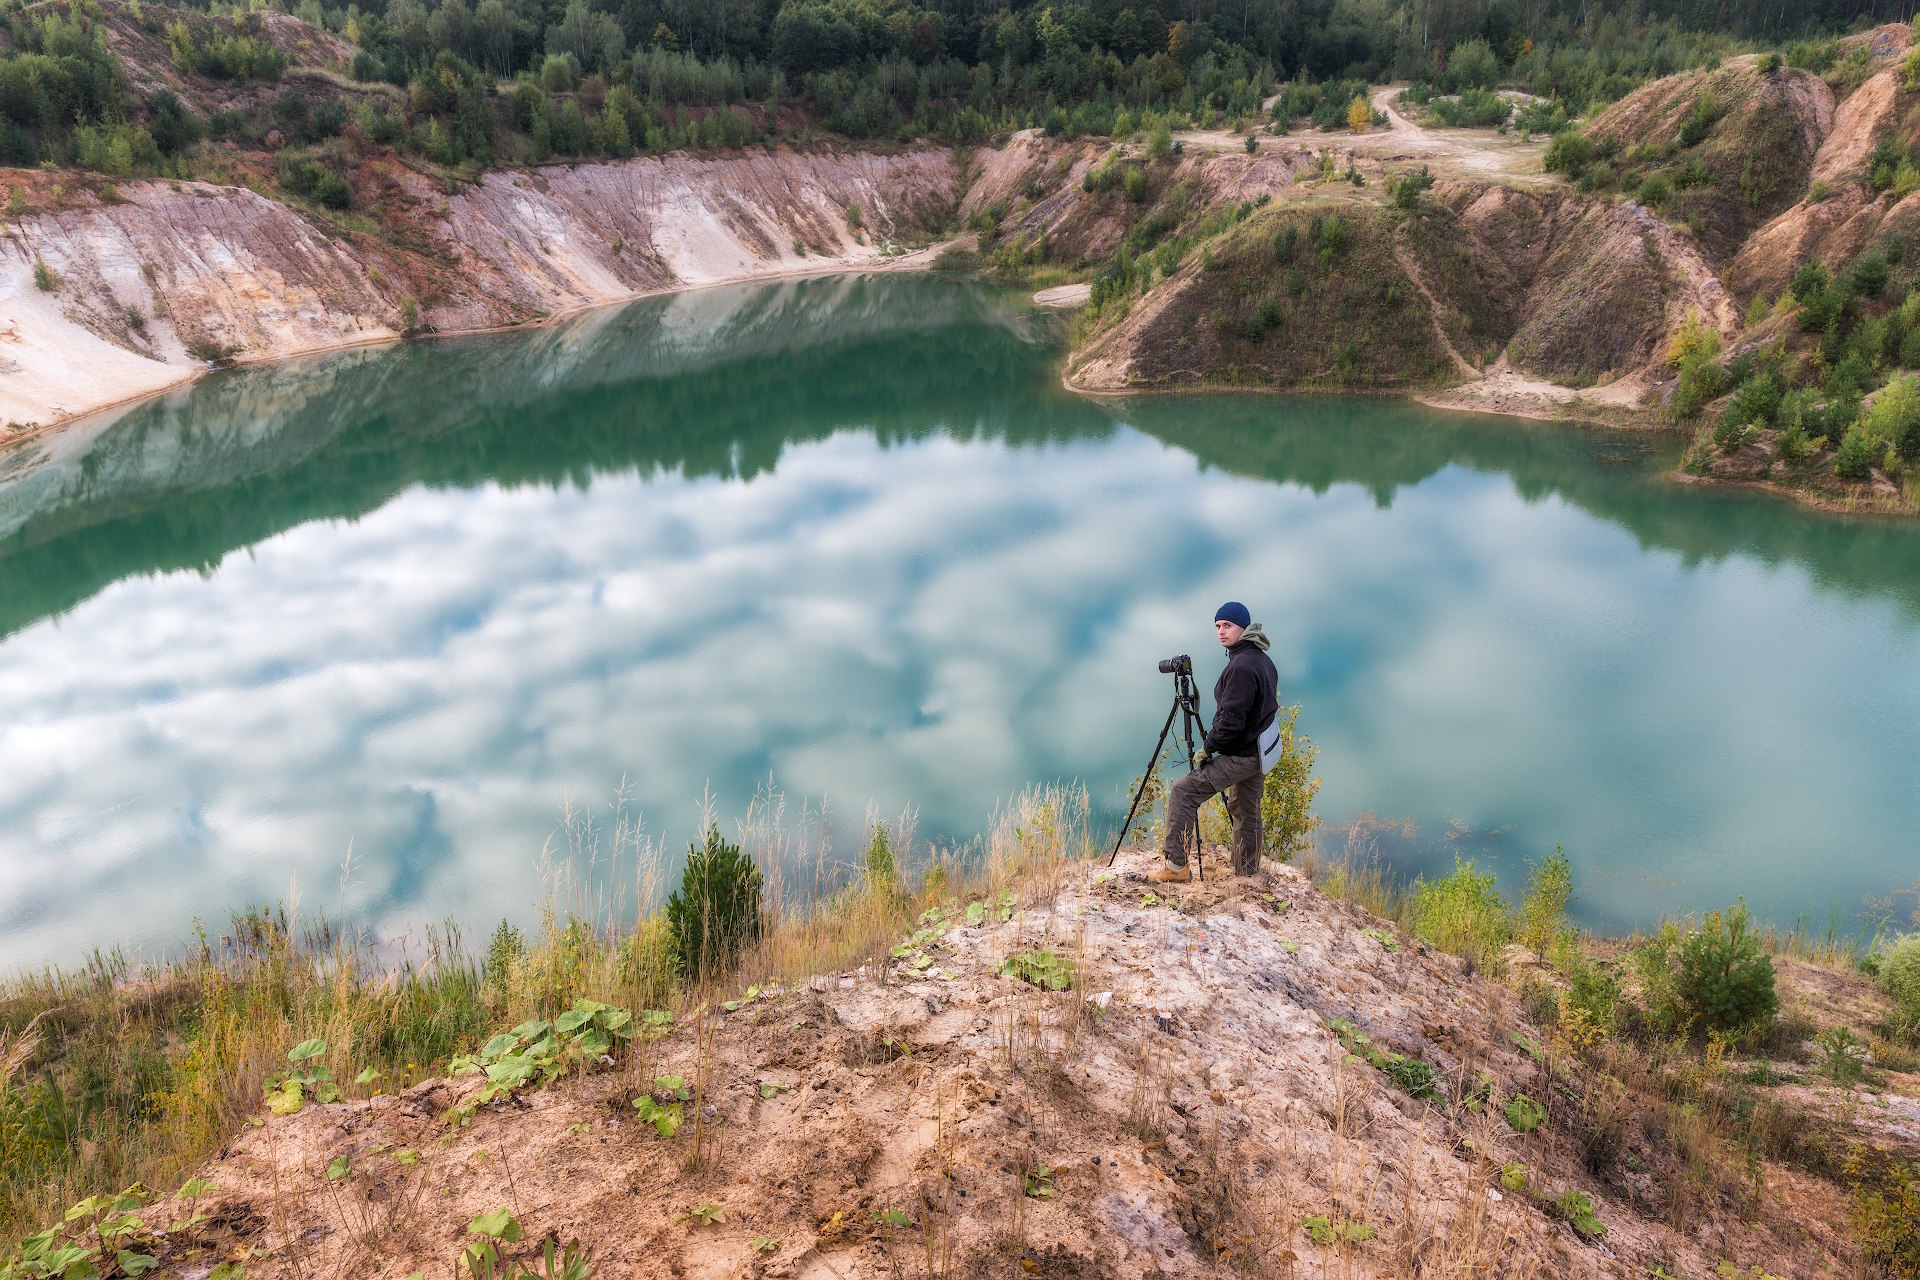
x: 1229, y: 634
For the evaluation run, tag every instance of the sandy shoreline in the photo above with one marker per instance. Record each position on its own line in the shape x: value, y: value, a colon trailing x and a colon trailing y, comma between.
x: 918, y: 260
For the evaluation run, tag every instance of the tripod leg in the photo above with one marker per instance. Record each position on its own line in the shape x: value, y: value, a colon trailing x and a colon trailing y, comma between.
x: 1188, y: 722
x: 1153, y: 763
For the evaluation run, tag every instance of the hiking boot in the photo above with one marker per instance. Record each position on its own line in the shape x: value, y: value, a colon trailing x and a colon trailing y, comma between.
x: 1169, y: 875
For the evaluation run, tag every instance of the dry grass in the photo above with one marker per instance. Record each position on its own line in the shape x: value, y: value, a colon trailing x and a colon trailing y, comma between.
x: 115, y: 1075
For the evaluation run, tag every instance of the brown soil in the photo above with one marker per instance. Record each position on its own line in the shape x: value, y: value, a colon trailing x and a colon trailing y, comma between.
x: 1178, y: 1113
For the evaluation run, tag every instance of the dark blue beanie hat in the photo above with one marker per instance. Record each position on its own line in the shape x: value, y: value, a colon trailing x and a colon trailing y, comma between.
x: 1235, y: 612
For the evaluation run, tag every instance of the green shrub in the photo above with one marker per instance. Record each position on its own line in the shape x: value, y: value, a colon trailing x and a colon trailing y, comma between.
x: 1722, y: 976
x: 1900, y: 969
x: 715, y: 912
x: 1287, y: 820
x: 1810, y: 281
x: 1900, y: 977
x: 1843, y: 1055
x: 1134, y: 182
x: 882, y: 871
x: 1869, y: 274
x: 43, y: 278
x: 1543, y: 912
x: 1570, y: 153
x: 1331, y: 236
x: 1655, y: 191
x: 1705, y: 112
x: 1462, y: 913
x: 1699, y: 384
x: 1886, y: 1211
x: 1856, y: 455
x: 1592, y: 994
x: 1895, y: 416
x: 1405, y: 191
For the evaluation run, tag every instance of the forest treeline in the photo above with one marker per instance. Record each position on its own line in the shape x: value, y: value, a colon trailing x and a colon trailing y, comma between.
x: 524, y: 80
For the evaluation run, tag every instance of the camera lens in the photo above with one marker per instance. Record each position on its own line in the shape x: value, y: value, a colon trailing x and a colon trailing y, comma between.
x: 1178, y: 663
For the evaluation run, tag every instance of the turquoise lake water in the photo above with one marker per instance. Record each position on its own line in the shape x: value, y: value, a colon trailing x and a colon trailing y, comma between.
x: 851, y: 536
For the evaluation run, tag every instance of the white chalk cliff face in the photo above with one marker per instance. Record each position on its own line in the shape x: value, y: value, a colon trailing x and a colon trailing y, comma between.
x: 149, y: 285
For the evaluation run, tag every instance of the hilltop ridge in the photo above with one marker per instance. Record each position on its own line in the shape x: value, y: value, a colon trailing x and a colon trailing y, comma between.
x: 1083, y: 1076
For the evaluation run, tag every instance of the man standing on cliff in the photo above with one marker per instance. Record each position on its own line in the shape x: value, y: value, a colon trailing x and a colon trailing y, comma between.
x: 1246, y: 703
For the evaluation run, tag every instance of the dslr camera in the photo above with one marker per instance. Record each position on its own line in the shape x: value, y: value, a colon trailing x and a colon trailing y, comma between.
x: 1179, y: 664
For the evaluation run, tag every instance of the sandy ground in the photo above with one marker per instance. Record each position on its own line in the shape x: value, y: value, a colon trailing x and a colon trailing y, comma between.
x: 1065, y: 296
x: 1186, y: 1108
x: 1451, y: 153
x: 1504, y: 390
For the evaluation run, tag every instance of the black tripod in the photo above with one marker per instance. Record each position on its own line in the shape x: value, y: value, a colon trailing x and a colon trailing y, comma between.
x: 1186, y: 705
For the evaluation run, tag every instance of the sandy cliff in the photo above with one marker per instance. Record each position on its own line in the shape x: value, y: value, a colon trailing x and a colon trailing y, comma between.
x: 157, y: 278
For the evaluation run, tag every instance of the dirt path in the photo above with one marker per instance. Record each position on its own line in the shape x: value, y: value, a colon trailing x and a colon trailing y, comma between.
x: 1451, y: 153
x: 1461, y: 364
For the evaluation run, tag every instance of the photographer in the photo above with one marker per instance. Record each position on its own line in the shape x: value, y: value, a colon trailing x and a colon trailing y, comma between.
x: 1246, y: 701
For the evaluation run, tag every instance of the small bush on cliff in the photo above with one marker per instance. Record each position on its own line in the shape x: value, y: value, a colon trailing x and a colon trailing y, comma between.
x: 1405, y: 191
x: 1287, y: 819
x: 1895, y: 417
x: 715, y: 913
x: 1462, y: 913
x: 1856, y: 455
x: 1694, y: 349
x: 1900, y: 978
x: 1543, y: 923
x: 1570, y: 154
x: 316, y: 182
x: 1722, y: 976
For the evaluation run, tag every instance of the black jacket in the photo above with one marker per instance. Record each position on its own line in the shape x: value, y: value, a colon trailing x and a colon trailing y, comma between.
x: 1245, y: 698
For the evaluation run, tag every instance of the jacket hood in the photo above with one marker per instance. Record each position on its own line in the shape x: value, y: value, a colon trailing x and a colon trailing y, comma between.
x: 1256, y: 636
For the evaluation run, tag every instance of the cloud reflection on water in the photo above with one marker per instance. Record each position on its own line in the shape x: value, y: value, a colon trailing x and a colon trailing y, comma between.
x: 694, y: 572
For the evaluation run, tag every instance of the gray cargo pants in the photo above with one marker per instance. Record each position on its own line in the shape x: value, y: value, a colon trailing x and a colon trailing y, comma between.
x: 1240, y: 778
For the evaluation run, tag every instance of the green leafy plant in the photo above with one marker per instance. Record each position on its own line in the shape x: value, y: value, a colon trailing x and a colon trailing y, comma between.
x: 484, y: 1259
x: 1385, y: 939
x: 43, y: 277
x: 1513, y: 1178
x: 766, y: 1244
x: 1524, y: 1114
x: 990, y: 909
x: 538, y: 1051
x: 289, y: 1091
x: 1415, y: 1078
x: 1039, y: 1183
x: 661, y: 1108
x: 100, y: 1235
x: 1577, y: 1209
x: 773, y: 1088
x: 707, y: 1215
x: 715, y: 913
x: 1721, y: 974
x: 1045, y: 969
